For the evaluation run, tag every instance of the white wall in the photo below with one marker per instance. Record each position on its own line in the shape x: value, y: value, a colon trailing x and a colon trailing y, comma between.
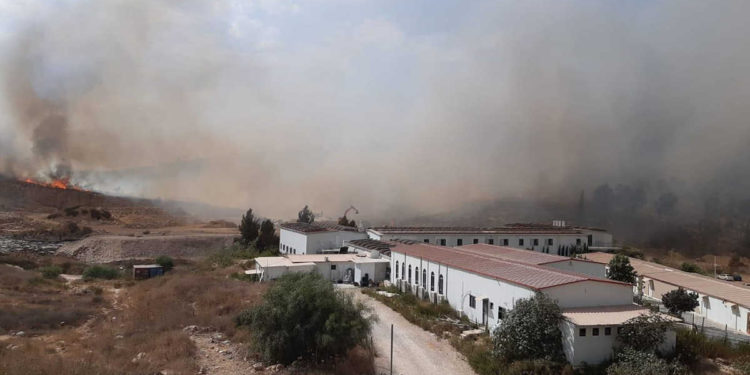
x: 315, y: 242
x: 591, y: 293
x: 597, y: 349
x: 452, y: 239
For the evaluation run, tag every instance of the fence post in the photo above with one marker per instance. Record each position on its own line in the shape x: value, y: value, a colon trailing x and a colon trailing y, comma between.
x: 391, y: 349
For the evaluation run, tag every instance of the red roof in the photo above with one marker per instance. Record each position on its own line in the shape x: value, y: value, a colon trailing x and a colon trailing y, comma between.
x: 524, y: 274
x: 516, y: 255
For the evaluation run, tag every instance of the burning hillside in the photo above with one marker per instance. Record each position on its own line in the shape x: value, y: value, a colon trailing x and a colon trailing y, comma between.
x: 57, y: 183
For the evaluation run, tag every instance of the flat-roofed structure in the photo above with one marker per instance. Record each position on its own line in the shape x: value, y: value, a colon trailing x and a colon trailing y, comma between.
x: 304, y: 238
x: 723, y: 302
x: 550, y: 239
x: 347, y: 268
x: 485, y: 282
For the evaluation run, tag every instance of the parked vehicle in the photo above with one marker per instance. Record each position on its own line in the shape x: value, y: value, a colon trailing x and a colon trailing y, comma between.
x: 737, y: 277
x: 725, y: 276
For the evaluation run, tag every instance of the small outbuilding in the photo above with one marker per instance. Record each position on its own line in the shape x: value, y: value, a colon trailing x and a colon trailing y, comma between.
x: 147, y: 271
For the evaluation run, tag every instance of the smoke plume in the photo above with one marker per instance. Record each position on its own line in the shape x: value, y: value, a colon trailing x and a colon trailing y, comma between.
x: 397, y: 108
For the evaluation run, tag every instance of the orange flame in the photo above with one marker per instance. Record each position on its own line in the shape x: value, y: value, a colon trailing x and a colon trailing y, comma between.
x: 61, y: 183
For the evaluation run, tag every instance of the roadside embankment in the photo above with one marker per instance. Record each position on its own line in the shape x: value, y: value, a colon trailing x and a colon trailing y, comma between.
x: 103, y: 249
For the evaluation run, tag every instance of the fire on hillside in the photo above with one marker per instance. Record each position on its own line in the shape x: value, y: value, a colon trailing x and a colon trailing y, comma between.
x: 57, y: 183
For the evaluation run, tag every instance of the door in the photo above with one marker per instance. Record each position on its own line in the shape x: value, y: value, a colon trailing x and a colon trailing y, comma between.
x: 485, y: 310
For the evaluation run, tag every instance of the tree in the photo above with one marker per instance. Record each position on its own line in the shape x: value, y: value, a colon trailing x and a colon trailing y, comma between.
x: 268, y: 235
x: 302, y: 315
x: 249, y: 228
x: 305, y: 216
x: 165, y: 262
x: 346, y: 222
x: 690, y: 267
x: 531, y: 331
x: 621, y: 270
x: 644, y: 332
x: 679, y: 300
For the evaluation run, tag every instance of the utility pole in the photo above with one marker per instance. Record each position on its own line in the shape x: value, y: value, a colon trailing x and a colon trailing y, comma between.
x: 391, y: 349
x: 714, y: 266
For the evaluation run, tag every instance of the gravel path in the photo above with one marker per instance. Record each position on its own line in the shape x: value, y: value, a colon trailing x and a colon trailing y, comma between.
x: 415, y: 351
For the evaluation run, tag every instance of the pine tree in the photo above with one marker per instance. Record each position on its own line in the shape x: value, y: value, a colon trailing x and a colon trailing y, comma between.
x: 306, y: 216
x: 268, y: 237
x: 248, y: 228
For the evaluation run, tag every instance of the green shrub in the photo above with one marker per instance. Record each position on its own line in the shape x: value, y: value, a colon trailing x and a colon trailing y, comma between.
x: 645, y: 332
x: 100, y: 272
x: 634, y: 362
x: 691, y: 267
x: 302, y: 315
x: 537, y: 367
x: 530, y: 331
x: 692, y: 345
x: 166, y: 262
x: 51, y: 272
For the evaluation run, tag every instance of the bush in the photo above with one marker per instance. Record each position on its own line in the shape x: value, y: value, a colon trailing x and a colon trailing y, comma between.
x: 537, y: 367
x: 645, y: 332
x: 166, y: 262
x: 621, y: 270
x: 302, y: 315
x: 692, y: 345
x: 679, y: 300
x: 51, y: 272
x: 691, y: 267
x: 633, y: 362
x: 100, y: 272
x: 531, y: 331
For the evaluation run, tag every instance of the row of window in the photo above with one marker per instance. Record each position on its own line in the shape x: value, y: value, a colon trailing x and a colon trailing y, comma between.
x: 416, y: 277
x: 595, y: 331
x: 500, y: 310
x: 505, y: 241
x: 288, y: 249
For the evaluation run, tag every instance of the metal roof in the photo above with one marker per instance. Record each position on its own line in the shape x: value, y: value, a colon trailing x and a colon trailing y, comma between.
x: 516, y: 255
x: 607, y: 315
x: 380, y: 246
x: 524, y: 274
x: 531, y: 230
x: 317, y: 227
x: 724, y: 290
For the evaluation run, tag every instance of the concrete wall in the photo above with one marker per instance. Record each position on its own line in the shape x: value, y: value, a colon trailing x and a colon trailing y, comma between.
x: 591, y: 293
x: 578, y: 266
x: 597, y: 349
x: 513, y: 240
x: 375, y: 271
x: 314, y: 243
x: 272, y: 273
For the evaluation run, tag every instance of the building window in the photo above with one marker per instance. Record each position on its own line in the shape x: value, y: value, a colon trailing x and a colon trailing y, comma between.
x: 459, y: 242
x: 416, y: 275
x: 550, y: 242
x: 432, y: 281
x: 424, y: 277
x: 403, y: 271
x: 491, y: 241
x: 476, y: 240
x: 426, y: 240
x: 500, y: 313
x: 505, y: 242
x: 410, y: 274
x: 578, y: 241
x: 607, y: 331
x: 536, y: 242
x: 440, y: 284
x: 595, y: 332
x: 333, y: 267
x: 582, y: 332
x: 472, y: 301
x: 397, y: 269
x: 520, y: 242
x: 619, y: 330
x: 442, y: 242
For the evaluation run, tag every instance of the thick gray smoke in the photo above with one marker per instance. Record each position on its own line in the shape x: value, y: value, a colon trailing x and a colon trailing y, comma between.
x: 395, y: 108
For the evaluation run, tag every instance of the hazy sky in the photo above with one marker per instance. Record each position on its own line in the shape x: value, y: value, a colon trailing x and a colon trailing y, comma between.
x: 418, y: 106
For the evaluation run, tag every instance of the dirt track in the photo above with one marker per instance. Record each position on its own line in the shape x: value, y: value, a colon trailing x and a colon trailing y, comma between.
x: 101, y: 249
x: 415, y: 351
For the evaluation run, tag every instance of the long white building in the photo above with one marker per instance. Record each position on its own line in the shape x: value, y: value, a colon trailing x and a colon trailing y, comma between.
x: 484, y: 282
x: 725, y: 303
x: 537, y: 237
x: 303, y: 238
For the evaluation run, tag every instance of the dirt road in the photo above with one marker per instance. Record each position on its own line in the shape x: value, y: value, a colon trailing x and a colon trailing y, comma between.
x: 415, y: 351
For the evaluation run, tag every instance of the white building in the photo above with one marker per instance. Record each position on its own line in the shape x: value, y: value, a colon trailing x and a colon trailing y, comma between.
x: 303, y: 238
x: 347, y: 268
x: 485, y: 283
x: 725, y: 303
x: 537, y: 237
